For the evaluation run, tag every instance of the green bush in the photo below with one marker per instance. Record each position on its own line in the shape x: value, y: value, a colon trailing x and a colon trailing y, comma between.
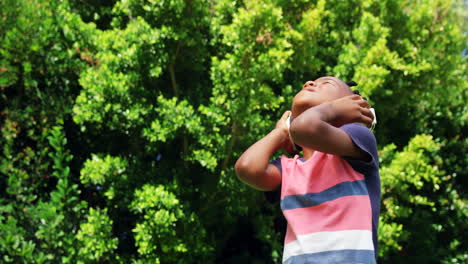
x: 121, y: 121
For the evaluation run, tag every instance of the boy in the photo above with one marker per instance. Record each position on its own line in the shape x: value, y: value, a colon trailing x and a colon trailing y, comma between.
x: 331, y: 196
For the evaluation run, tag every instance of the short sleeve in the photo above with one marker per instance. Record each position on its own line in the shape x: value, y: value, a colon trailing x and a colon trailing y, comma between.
x: 365, y: 140
x: 277, y: 163
x: 274, y: 196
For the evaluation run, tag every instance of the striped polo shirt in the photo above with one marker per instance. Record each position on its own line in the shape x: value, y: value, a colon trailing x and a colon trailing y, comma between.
x: 331, y: 204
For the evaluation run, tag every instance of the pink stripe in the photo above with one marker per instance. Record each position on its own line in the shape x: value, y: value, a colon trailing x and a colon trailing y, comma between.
x: 290, y: 236
x: 316, y: 174
x: 345, y: 213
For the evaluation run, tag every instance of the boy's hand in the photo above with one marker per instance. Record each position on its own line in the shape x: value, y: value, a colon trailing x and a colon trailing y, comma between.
x: 281, y: 125
x: 350, y: 109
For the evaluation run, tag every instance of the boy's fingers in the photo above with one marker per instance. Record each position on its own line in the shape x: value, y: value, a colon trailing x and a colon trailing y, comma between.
x: 285, y: 115
x: 367, y: 112
x: 366, y: 120
x: 368, y: 115
x: 364, y: 103
x: 282, y: 122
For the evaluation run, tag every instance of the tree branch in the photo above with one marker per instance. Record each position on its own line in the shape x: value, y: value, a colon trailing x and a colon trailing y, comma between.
x: 234, y: 129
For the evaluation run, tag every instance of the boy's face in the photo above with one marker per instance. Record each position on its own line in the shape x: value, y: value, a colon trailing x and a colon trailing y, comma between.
x: 317, y: 92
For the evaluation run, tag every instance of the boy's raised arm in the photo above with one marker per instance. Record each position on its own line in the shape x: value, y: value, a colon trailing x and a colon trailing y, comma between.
x: 318, y: 127
x: 253, y: 165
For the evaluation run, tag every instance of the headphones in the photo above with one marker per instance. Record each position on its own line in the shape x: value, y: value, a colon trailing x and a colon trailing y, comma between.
x: 374, y: 122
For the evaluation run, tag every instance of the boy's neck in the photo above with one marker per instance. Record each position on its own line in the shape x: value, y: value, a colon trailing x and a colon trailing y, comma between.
x: 307, y: 153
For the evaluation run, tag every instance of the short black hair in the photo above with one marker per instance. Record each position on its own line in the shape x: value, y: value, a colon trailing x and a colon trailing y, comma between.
x: 353, y: 83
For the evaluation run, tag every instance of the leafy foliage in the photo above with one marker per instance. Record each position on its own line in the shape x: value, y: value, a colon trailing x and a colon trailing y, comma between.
x: 156, y: 237
x: 96, y: 236
x: 121, y: 120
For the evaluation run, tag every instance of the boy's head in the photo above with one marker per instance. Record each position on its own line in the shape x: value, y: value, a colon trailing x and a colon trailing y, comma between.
x: 317, y: 92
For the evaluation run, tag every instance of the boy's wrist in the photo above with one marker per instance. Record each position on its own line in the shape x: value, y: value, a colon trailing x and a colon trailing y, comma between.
x: 281, y: 134
x: 279, y: 139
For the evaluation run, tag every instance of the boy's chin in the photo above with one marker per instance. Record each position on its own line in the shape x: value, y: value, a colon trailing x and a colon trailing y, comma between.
x: 298, y: 109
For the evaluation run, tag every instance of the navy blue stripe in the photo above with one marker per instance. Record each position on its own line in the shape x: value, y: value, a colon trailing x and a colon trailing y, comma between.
x: 337, y: 256
x: 330, y: 194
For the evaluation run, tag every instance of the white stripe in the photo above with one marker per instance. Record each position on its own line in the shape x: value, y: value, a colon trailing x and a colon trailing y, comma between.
x: 329, y: 241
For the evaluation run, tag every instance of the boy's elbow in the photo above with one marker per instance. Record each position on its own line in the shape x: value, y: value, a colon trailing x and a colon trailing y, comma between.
x: 254, y: 176
x: 241, y: 168
x: 245, y: 170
